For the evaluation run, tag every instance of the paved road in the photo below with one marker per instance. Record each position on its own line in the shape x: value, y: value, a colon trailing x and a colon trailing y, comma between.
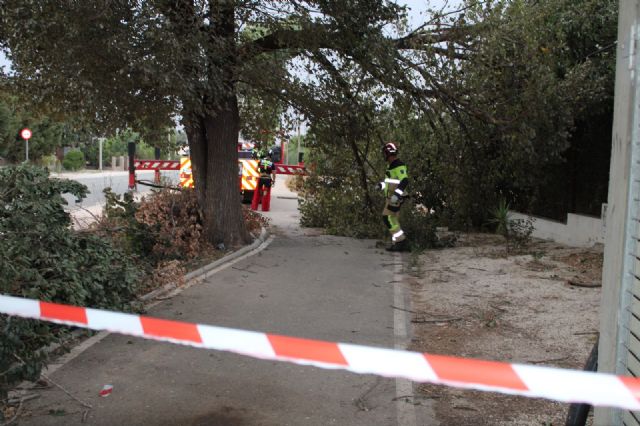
x: 117, y: 181
x: 303, y: 284
x: 84, y: 213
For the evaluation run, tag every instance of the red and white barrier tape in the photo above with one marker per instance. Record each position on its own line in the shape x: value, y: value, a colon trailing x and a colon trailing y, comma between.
x: 515, y: 379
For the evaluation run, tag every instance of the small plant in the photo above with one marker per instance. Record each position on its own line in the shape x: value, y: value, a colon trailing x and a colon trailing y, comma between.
x: 501, y: 218
x: 517, y: 232
x: 538, y: 255
x: 74, y: 160
x: 520, y: 231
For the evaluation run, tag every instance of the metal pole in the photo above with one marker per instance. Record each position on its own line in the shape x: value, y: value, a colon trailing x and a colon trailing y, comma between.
x: 131, y: 148
x: 156, y: 174
x: 298, y: 158
x: 27, y: 151
x: 100, y: 153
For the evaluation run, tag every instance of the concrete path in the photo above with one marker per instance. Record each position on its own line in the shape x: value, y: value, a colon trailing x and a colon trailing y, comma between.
x: 303, y: 284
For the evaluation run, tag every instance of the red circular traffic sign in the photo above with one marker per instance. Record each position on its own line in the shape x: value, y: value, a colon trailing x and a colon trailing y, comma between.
x: 25, y: 133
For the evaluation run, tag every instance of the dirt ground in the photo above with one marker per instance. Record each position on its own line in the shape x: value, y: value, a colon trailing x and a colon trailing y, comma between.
x: 473, y: 301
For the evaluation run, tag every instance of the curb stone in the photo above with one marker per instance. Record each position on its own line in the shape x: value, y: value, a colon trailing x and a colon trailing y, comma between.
x: 202, y: 273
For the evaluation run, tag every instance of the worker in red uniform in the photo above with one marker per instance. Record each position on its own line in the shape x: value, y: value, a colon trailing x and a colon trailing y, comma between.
x: 262, y: 194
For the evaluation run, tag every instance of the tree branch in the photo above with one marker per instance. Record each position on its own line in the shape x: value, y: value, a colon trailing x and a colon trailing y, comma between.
x: 317, y: 36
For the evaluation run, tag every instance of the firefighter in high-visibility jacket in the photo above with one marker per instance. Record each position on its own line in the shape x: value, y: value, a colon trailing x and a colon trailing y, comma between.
x: 262, y: 194
x: 395, y: 187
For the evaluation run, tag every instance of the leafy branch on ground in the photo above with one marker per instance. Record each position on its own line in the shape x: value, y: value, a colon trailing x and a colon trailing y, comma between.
x: 41, y: 257
x: 135, y: 247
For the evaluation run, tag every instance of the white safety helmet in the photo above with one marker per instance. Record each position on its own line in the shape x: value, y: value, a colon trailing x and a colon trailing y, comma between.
x: 389, y: 149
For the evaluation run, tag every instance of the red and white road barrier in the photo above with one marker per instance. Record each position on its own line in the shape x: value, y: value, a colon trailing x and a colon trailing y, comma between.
x: 515, y: 379
x: 284, y: 169
x: 157, y: 164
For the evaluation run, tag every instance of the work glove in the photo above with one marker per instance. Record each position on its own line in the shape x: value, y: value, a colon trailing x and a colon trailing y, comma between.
x: 395, y: 200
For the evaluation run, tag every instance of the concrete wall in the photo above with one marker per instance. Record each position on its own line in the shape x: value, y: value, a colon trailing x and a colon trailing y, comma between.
x: 578, y: 231
x: 120, y: 163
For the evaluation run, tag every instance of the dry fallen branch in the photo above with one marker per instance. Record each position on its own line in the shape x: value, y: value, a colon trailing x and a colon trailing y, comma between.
x: 15, y: 415
x: 576, y: 283
x: 497, y: 308
x: 431, y: 321
x: 23, y: 399
x: 48, y: 379
x: 81, y: 402
x: 405, y: 310
x: 544, y: 361
x: 464, y: 407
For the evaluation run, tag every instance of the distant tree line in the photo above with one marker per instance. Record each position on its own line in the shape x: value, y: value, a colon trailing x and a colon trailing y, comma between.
x: 51, y: 136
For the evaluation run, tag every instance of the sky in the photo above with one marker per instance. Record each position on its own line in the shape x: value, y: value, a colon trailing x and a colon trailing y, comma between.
x: 3, y: 60
x: 417, y: 8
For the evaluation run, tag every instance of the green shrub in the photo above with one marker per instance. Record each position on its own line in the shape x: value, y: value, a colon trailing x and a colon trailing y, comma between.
x: 520, y: 233
x: 49, y: 161
x: 421, y: 225
x: 74, y: 160
x: 42, y: 257
x: 120, y: 225
x: 339, y: 206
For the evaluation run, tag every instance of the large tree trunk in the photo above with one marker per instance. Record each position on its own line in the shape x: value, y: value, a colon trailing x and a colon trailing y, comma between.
x: 213, y: 136
x: 213, y: 142
x: 222, y: 204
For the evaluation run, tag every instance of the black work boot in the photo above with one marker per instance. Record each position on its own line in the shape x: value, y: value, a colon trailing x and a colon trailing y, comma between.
x: 400, y: 246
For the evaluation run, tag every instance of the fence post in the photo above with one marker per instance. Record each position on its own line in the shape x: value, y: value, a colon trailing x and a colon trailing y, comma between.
x: 156, y: 175
x: 131, y: 150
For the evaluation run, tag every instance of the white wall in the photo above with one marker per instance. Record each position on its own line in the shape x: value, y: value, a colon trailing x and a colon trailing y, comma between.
x: 578, y: 231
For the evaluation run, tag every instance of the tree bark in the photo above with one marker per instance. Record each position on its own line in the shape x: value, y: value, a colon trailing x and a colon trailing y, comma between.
x: 197, y: 138
x: 224, y: 222
x: 213, y: 142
